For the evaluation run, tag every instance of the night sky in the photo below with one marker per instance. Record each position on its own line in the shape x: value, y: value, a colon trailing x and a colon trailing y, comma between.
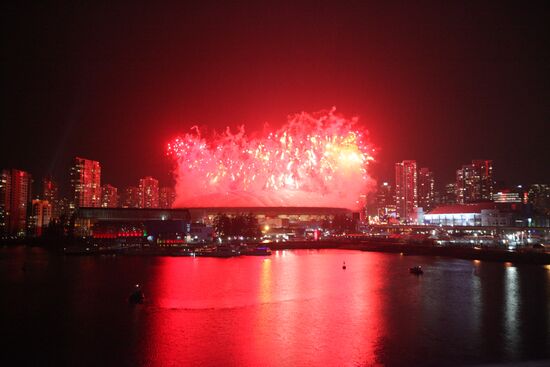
x: 436, y: 82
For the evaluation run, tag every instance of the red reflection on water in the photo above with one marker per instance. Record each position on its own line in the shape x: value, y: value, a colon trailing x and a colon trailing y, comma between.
x: 294, y: 308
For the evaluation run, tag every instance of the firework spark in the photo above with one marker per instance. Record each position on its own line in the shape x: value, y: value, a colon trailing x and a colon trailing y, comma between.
x: 314, y: 160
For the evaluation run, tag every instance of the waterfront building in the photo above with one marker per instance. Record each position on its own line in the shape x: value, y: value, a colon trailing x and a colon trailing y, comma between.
x: 41, y: 215
x: 15, y: 195
x: 406, y: 199
x: 479, y: 214
x: 474, y: 182
x: 292, y: 221
x: 148, y: 192
x: 128, y: 223
x: 167, y: 197
x: 109, y: 196
x: 426, y: 189
x: 85, y: 183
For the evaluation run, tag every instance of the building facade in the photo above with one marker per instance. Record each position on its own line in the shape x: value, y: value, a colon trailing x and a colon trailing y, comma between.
x: 86, y: 183
x: 125, y: 222
x: 474, y: 182
x: 426, y: 189
x: 507, y: 196
x: 385, y: 203
x: 167, y: 197
x: 148, y: 192
x: 131, y: 197
x: 448, y: 196
x: 109, y: 196
x: 538, y: 195
x: 15, y: 195
x: 5, y: 197
x: 480, y: 214
x: 406, y: 196
x: 40, y: 217
x: 50, y: 193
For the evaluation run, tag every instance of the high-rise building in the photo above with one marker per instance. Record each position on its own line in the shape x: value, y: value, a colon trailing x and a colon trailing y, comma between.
x: 109, y: 196
x: 426, y: 189
x: 148, y: 192
x: 465, y: 184
x: 86, y: 183
x: 406, y: 198
x: 131, y: 197
x: 484, y: 169
x: 448, y: 197
x: 5, y: 199
x: 385, y: 203
x: 40, y: 217
x: 50, y: 193
x: 49, y: 189
x: 64, y: 210
x: 167, y: 196
x: 474, y: 182
x: 15, y: 194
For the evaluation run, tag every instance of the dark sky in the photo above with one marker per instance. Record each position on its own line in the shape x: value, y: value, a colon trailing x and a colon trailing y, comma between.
x: 436, y: 82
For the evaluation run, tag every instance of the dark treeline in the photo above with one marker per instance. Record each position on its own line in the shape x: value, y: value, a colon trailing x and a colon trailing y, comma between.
x: 245, y: 225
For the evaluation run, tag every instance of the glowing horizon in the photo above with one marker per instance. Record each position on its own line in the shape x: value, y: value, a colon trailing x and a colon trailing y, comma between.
x: 313, y: 160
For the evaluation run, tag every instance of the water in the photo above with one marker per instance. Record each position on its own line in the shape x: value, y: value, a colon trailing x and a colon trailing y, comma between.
x: 295, y: 308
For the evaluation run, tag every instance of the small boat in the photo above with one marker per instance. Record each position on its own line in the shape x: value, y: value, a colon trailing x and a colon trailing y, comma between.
x: 137, y: 295
x: 223, y: 251
x: 257, y: 251
x: 417, y: 270
x: 344, y: 266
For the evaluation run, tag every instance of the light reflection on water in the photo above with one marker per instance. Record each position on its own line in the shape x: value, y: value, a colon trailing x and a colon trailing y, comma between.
x: 295, y: 308
x: 511, y: 307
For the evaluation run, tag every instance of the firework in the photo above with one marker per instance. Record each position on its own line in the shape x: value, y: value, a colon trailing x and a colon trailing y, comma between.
x: 314, y: 160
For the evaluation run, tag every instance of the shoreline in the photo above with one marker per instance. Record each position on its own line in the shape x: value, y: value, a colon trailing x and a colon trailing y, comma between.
x: 412, y: 249
x: 530, y: 256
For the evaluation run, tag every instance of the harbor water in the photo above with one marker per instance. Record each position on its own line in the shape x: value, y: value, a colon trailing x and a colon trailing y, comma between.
x: 293, y: 308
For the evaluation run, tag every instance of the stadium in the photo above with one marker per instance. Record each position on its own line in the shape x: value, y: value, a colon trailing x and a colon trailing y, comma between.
x: 133, y: 222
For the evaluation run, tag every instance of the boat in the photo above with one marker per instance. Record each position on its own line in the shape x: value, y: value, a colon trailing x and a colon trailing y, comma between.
x: 257, y: 251
x: 223, y: 251
x: 417, y: 270
x: 137, y: 295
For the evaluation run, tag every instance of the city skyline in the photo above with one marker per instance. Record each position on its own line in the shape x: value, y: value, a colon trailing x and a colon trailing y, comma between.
x: 63, y: 183
x: 118, y: 93
x: 49, y: 186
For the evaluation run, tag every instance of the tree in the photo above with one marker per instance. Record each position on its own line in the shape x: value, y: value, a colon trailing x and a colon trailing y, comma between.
x: 222, y: 225
x: 238, y: 225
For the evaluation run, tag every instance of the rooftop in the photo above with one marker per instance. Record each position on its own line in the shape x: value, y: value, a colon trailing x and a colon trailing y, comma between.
x: 463, y: 208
